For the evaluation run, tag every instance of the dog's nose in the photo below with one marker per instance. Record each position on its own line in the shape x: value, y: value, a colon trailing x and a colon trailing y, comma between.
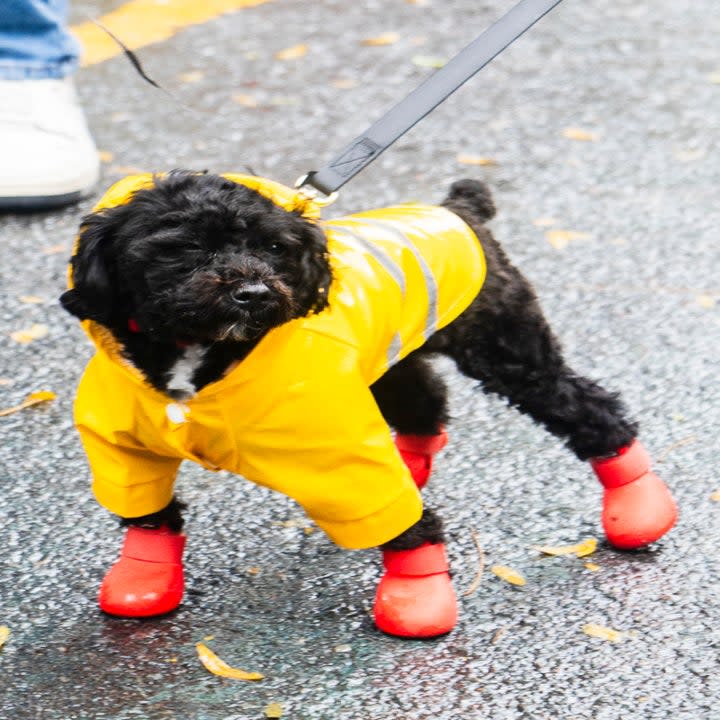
x: 252, y: 293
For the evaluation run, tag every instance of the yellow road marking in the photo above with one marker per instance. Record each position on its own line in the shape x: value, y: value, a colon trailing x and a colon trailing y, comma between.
x: 142, y: 22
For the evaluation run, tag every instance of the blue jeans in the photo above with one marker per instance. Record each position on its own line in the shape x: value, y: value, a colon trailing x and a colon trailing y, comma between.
x: 35, y: 41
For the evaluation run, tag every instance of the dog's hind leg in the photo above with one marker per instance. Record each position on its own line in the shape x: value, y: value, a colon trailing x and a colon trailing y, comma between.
x: 504, y: 341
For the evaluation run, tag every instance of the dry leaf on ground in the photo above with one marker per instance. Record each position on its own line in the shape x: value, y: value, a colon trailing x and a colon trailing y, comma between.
x: 191, y: 77
x: 573, y: 133
x: 603, y: 633
x: 55, y: 249
x: 480, y: 567
x: 273, y: 711
x: 560, y: 239
x: 592, y: 567
x: 219, y: 667
x: 34, y: 332
x: 386, y: 38
x: 245, y: 100
x: 4, y: 634
x: 706, y: 301
x: 475, y: 160
x: 31, y: 299
x: 292, y: 53
x: 581, y: 549
x: 508, y: 574
x: 106, y: 156
x: 715, y: 497
x: 430, y: 61
x: 33, y: 399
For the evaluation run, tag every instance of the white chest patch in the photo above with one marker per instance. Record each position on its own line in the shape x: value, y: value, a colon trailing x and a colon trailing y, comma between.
x: 179, y: 382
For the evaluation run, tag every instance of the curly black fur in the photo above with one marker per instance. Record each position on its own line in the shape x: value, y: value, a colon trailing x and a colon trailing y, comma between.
x: 200, y: 261
x: 196, y: 259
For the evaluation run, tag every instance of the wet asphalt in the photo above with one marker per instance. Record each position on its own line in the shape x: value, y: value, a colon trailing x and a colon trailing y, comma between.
x: 632, y: 291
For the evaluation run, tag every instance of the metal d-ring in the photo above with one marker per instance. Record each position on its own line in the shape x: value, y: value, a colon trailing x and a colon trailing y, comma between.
x: 312, y: 193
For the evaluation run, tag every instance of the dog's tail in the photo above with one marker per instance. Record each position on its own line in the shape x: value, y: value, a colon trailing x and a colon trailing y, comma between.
x: 475, y: 195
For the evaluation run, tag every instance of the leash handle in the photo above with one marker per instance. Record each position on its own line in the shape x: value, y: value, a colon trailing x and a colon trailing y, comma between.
x: 427, y: 96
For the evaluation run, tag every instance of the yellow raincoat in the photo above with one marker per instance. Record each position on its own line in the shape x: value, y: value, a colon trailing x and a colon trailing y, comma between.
x: 296, y: 415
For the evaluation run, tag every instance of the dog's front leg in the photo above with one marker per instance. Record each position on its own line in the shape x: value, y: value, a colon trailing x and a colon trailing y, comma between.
x: 148, y: 577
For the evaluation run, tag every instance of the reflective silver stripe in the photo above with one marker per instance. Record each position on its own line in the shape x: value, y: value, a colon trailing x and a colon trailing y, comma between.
x: 387, y: 262
x: 393, y: 353
x: 431, y: 321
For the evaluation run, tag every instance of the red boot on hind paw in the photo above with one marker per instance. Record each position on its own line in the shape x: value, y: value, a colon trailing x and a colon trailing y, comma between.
x: 417, y: 453
x: 148, y: 578
x: 415, y: 597
x: 637, y: 505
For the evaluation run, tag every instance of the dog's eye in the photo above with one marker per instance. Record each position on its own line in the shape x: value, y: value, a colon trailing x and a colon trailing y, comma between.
x: 277, y: 249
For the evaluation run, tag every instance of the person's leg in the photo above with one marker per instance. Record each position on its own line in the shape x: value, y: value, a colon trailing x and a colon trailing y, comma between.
x: 47, y: 155
x: 35, y: 41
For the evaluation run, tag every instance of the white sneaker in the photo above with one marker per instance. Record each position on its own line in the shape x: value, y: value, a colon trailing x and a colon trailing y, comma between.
x: 47, y: 155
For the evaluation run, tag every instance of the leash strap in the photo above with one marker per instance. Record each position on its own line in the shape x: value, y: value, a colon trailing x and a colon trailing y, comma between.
x: 427, y: 96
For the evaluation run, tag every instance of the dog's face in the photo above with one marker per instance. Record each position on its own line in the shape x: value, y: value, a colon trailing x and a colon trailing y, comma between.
x: 198, y: 258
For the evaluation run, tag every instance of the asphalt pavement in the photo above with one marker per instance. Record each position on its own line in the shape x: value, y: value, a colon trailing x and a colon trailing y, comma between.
x: 598, y: 132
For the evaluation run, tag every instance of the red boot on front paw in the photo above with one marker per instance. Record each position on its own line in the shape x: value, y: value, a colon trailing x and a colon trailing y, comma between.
x: 415, y: 597
x: 148, y: 578
x: 637, y: 505
x: 417, y: 453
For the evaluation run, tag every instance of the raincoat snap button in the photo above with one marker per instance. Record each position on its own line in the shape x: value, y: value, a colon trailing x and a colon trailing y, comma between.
x: 176, y: 413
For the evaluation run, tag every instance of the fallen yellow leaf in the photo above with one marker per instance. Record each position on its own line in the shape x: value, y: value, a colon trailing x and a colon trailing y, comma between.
x: 572, y: 133
x: 245, y: 100
x: 31, y: 299
x: 431, y: 61
x: 508, y: 574
x: 273, y: 710
x: 581, y: 549
x: 32, y: 399
x: 475, y: 160
x: 191, y: 77
x: 105, y: 156
x: 126, y: 170
x: 544, y: 222
x: 344, y: 83
x: 4, y: 634
x: 55, y: 249
x: 602, y: 632
x: 706, y: 301
x: 715, y: 497
x: 562, y: 238
x: 592, y: 567
x: 219, y: 667
x: 292, y: 53
x: 387, y: 38
x: 35, y: 332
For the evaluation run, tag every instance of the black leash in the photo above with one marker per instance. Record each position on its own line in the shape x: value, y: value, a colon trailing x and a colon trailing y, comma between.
x: 426, y: 97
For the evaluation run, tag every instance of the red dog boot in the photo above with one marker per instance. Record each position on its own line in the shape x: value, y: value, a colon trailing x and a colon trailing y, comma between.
x: 415, y: 597
x: 417, y: 452
x: 148, y: 578
x: 637, y: 505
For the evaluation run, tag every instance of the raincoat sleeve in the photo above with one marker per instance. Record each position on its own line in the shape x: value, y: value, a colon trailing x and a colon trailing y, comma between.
x: 128, y: 478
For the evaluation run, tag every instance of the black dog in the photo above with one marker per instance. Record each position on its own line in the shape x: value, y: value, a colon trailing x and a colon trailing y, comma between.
x: 194, y: 271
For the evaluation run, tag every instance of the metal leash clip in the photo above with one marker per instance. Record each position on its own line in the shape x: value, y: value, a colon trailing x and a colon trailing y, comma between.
x: 312, y: 193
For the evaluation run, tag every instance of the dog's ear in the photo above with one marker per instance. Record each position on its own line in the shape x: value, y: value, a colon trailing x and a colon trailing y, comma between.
x: 94, y: 293
x: 314, y: 268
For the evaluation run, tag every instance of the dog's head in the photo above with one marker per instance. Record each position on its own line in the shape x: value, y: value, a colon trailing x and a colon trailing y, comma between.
x: 198, y: 258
